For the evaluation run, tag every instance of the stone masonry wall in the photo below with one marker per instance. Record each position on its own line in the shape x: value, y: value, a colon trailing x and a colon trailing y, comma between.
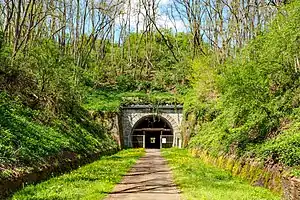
x: 271, y: 177
x: 130, y: 116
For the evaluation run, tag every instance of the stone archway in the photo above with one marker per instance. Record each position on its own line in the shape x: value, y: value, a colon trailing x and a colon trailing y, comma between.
x: 132, y: 115
x: 152, y: 131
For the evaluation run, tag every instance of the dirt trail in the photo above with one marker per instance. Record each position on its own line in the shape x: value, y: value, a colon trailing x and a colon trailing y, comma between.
x: 150, y: 178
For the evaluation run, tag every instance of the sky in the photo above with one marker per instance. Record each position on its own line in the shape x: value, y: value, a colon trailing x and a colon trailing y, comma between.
x: 163, y: 19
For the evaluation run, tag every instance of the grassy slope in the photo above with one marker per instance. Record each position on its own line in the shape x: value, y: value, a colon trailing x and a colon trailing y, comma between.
x: 93, y: 181
x: 202, y: 182
x: 256, y: 113
x: 27, y: 142
x: 111, y: 100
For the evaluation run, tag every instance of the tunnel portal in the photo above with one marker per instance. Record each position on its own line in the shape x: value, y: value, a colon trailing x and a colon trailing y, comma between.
x: 150, y: 126
x: 152, y: 132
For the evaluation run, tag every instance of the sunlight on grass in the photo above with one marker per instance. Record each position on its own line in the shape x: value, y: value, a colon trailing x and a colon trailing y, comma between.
x: 111, y: 100
x: 199, y: 181
x: 92, y: 181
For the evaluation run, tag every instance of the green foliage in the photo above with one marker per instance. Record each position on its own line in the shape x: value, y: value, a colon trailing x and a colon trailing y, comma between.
x: 40, y: 108
x: 201, y: 99
x: 296, y: 172
x: 111, y: 99
x: 284, y: 148
x: 44, y: 84
x: 42, y: 77
x: 125, y: 83
x: 198, y: 180
x: 141, y: 70
x: 1, y: 39
x: 256, y: 96
x: 25, y: 141
x: 92, y: 181
x: 144, y: 62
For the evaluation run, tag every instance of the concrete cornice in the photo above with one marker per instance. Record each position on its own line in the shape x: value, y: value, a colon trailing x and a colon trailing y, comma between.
x: 160, y: 107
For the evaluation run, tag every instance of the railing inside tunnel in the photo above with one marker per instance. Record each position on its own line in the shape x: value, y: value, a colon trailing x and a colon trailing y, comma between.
x: 166, y: 141
x: 150, y: 140
x: 138, y: 141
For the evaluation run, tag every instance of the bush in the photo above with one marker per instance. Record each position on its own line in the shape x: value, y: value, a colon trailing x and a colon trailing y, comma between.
x: 257, y: 94
x: 126, y: 83
x: 25, y: 140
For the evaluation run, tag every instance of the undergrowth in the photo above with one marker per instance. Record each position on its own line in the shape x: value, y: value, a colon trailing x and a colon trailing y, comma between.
x: 29, y: 137
x: 111, y: 100
x: 92, y: 181
x: 200, y: 181
x: 249, y: 105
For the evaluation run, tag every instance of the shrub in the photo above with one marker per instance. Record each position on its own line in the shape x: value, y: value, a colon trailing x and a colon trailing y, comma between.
x: 258, y: 92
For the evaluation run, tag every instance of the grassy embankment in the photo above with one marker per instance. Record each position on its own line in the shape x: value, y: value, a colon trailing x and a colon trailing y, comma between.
x: 92, y: 181
x: 200, y: 181
x: 28, y: 137
x: 249, y: 106
x: 110, y: 100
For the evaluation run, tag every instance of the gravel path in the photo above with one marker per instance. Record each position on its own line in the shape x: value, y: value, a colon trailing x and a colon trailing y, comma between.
x: 150, y: 178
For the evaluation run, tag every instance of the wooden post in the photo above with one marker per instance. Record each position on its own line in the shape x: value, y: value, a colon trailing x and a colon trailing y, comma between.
x: 144, y: 139
x: 160, y: 138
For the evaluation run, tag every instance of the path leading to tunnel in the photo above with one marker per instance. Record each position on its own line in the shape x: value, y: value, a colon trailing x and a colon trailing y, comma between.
x: 149, y: 179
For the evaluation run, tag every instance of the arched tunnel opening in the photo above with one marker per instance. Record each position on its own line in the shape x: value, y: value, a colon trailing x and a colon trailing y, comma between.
x: 152, y: 132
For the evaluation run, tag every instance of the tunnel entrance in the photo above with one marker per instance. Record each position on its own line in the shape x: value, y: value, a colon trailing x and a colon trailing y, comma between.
x: 152, y: 132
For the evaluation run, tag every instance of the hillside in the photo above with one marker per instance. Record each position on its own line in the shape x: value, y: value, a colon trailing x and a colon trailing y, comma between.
x: 249, y: 106
x: 66, y: 65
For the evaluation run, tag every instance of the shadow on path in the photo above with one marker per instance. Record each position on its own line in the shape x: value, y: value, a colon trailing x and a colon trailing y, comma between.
x: 150, y: 178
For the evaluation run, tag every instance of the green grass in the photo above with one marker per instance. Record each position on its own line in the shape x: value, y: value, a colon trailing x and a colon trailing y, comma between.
x: 296, y: 172
x: 92, y: 181
x: 29, y: 137
x: 199, y: 181
x: 111, y: 99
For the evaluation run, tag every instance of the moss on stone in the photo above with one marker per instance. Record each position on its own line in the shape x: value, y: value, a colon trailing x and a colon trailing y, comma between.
x: 249, y: 170
x: 236, y: 168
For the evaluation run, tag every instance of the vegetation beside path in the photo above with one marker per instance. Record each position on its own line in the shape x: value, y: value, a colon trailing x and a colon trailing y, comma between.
x: 249, y: 106
x: 111, y: 99
x: 200, y: 181
x: 93, y: 181
x: 30, y: 138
